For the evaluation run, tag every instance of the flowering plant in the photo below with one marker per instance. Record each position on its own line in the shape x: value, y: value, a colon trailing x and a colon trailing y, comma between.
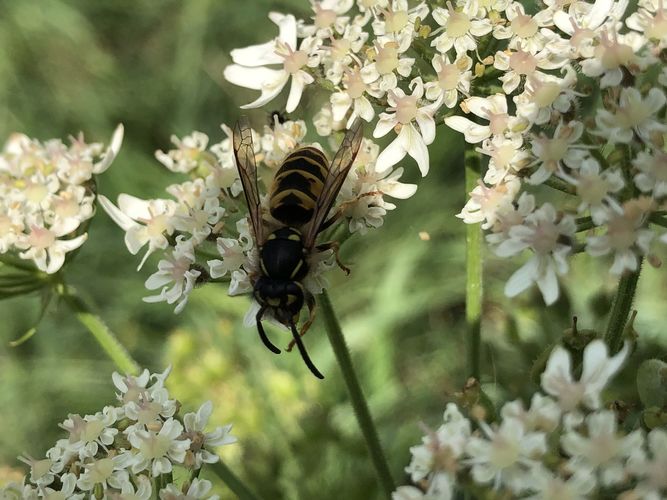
x: 47, y: 196
x: 562, y: 108
x: 128, y: 450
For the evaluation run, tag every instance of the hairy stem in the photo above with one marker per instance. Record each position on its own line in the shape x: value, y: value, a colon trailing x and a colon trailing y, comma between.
x: 473, y: 269
x: 104, y: 336
x: 620, y: 309
x: 584, y: 224
x: 559, y: 185
x: 359, y: 403
x: 232, y: 481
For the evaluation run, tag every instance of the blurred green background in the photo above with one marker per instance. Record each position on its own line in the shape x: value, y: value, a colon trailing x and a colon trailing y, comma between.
x: 67, y: 66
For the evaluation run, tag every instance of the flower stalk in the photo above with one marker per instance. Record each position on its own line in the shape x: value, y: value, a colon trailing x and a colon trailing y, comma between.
x: 359, y: 403
x: 101, y: 332
x: 239, y: 488
x: 621, y: 307
x: 473, y: 269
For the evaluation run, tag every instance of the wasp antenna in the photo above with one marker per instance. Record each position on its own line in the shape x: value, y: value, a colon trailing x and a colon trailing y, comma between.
x: 304, y: 353
x: 262, y: 333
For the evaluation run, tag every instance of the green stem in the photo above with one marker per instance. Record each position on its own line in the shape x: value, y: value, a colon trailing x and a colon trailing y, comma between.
x: 232, y: 481
x: 620, y: 309
x: 584, y: 224
x: 560, y: 185
x: 359, y: 404
x: 473, y: 269
x: 659, y: 220
x: 104, y: 336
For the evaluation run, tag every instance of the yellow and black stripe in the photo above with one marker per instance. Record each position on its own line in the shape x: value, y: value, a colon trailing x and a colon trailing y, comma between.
x: 297, y: 186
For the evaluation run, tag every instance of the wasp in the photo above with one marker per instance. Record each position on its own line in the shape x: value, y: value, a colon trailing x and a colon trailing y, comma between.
x: 303, y: 192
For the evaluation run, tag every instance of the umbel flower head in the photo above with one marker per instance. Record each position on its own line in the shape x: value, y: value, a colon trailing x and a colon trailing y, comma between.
x: 569, y: 95
x: 563, y: 446
x: 121, y: 451
x: 207, y: 214
x: 47, y: 195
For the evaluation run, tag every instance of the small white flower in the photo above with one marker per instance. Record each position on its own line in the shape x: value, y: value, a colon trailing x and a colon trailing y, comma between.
x: 503, y: 454
x: 190, y: 153
x: 280, y: 140
x: 543, y: 415
x: 144, y: 221
x: 202, y: 442
x: 250, y: 68
x: 66, y: 491
x: 523, y: 30
x: 548, y: 486
x: 199, y: 489
x: 453, y: 79
x: 583, y: 22
x: 544, y: 94
x: 109, y: 472
x: 612, y: 53
x: 150, y: 409
x: 88, y: 434
x: 494, y: 110
x: 544, y: 232
x: 45, y: 249
x: 594, y: 188
x: 42, y: 472
x: 441, y: 449
x: 130, y: 386
x: 408, y: 493
x: 650, y: 19
x: 176, y: 268
x: 158, y: 450
x: 651, y: 467
x: 652, y: 176
x: 486, y: 202
x: 598, y: 369
x: 352, y: 97
x: 460, y: 28
x: 233, y: 257
x: 387, y: 59
x: 143, y: 491
x: 365, y: 211
x: 626, y: 236
x: 398, y: 23
x: 507, y: 157
x: 603, y: 448
x: 520, y: 65
x: 404, y: 110
x: 633, y: 114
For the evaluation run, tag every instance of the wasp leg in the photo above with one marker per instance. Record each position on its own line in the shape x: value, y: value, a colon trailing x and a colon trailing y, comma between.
x: 304, y: 353
x: 262, y: 333
x: 339, y: 213
x: 310, y: 302
x: 335, y: 246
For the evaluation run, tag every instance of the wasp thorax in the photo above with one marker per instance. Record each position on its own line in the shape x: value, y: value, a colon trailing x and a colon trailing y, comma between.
x: 282, y: 256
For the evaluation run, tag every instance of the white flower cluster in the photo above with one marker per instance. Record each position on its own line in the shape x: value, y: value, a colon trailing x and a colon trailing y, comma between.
x: 563, y: 446
x: 127, y: 451
x: 571, y: 96
x: 203, y: 232
x: 47, y: 193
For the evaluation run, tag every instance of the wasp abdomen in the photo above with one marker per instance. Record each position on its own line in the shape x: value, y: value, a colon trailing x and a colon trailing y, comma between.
x: 281, y: 256
x: 297, y: 186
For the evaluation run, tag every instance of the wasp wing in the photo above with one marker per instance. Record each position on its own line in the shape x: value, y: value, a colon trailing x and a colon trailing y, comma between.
x: 245, y: 162
x: 340, y: 166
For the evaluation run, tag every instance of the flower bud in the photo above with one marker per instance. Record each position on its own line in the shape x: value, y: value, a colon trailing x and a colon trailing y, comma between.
x: 652, y: 383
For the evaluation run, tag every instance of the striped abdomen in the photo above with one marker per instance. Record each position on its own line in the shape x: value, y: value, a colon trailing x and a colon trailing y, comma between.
x: 297, y: 186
